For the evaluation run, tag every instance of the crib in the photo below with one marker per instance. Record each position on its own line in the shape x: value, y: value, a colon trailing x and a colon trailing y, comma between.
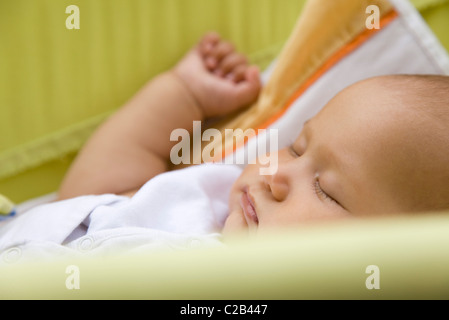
x: 60, y: 82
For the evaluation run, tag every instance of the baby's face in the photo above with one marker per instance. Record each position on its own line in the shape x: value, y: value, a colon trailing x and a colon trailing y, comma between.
x: 349, y: 160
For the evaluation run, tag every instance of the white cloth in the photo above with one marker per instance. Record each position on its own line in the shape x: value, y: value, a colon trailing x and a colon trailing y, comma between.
x: 177, y: 210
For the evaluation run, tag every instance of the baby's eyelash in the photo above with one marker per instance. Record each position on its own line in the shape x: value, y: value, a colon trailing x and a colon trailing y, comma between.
x: 320, y: 192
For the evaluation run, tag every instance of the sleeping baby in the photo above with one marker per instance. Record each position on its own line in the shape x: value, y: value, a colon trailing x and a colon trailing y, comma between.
x: 379, y: 147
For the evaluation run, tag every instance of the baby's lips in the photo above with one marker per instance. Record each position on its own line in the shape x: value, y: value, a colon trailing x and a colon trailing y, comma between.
x: 249, y: 210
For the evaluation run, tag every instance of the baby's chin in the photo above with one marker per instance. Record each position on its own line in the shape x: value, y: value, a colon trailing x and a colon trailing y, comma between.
x: 235, y: 226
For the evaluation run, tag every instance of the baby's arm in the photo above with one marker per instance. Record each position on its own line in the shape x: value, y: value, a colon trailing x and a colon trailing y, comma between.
x: 133, y: 145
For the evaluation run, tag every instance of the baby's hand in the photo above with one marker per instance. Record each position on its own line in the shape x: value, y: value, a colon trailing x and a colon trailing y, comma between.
x: 220, y: 79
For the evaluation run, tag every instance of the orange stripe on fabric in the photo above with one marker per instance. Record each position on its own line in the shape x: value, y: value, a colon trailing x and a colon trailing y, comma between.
x: 333, y: 60
x: 339, y: 55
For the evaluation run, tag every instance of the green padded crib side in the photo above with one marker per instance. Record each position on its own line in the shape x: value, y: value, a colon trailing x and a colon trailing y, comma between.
x: 321, y: 262
x: 436, y: 14
x: 57, y: 85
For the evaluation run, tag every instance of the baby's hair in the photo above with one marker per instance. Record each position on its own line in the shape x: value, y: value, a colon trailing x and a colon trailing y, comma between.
x: 428, y: 94
x: 418, y: 107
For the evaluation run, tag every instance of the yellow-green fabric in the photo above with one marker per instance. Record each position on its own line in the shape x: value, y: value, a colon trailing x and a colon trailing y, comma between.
x: 326, y: 262
x: 436, y: 14
x: 57, y: 85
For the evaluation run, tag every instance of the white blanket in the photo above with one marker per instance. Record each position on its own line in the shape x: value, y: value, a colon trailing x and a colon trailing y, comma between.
x: 176, y: 210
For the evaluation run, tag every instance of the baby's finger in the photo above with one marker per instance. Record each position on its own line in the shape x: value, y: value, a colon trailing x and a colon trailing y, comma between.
x: 206, y: 46
x: 219, y: 51
x: 252, y: 74
x: 247, y: 91
x: 231, y: 62
x: 208, y: 42
x: 238, y: 73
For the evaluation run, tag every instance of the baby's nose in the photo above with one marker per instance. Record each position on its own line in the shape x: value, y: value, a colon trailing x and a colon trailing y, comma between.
x: 278, y: 186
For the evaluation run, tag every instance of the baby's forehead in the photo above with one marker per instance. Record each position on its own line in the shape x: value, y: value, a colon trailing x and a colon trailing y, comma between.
x: 385, y: 98
x: 393, y: 110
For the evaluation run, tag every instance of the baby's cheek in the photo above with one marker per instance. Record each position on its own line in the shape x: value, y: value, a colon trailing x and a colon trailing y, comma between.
x: 234, y: 195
